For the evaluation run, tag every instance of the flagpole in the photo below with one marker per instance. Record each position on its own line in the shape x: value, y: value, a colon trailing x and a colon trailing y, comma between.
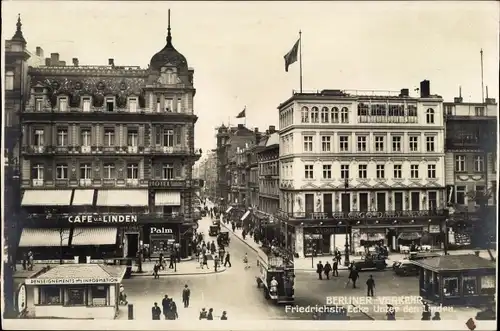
x: 300, y: 58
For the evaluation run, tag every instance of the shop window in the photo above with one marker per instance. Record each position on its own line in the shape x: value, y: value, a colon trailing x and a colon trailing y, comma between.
x: 469, y: 285
x: 99, y: 295
x: 488, y: 285
x: 450, y: 287
x: 50, y: 295
x: 75, y: 297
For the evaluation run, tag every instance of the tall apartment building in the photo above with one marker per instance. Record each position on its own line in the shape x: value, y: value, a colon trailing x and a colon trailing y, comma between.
x: 471, y: 161
x: 358, y: 169
x: 268, y: 167
x: 106, y: 158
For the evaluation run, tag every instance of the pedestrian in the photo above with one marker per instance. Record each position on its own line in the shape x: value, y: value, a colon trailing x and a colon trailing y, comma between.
x: 327, y: 269
x: 160, y: 260
x: 370, y: 285
x: 210, y: 315
x: 353, y: 276
x: 172, y: 261
x: 30, y: 260
x: 203, y: 314
x: 221, y: 255
x: 426, y: 312
x: 25, y: 260
x: 224, y: 316
x: 156, y: 268
x: 172, y: 312
x: 205, y: 261
x: 319, y: 270
x: 186, y: 294
x: 335, y: 268
x: 244, y: 234
x: 165, y: 303
x: 233, y: 226
x: 391, y: 313
x: 155, y: 312
x: 216, y: 263
x: 227, y: 260
x: 338, y: 256
x: 212, y: 247
x: 437, y: 316
x: 245, y: 261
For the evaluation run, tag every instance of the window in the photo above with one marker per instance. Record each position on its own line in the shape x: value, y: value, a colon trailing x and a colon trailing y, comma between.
x: 86, y: 104
x: 308, y: 143
x: 99, y: 295
x: 39, y: 138
x: 132, y: 138
x: 362, y: 171
x: 304, y: 114
x: 309, y: 171
x: 344, y: 171
x: 413, y: 144
x: 379, y: 144
x: 179, y: 105
x: 37, y: 172
x: 459, y: 163
x: 109, y: 137
x: 380, y: 171
x: 169, y: 105
x: 335, y: 115
x: 469, y: 285
x: 158, y: 105
x: 50, y: 295
x: 429, y: 142
x: 132, y: 105
x: 168, y: 138
x: 460, y: 195
x: 85, y: 171
x: 432, y: 199
x: 431, y: 171
x: 325, y: 143
x: 86, y: 137
x: 61, y: 171
x: 361, y: 144
x: 314, y: 115
x: 110, y: 104
x: 398, y: 171
x: 479, y: 111
x: 396, y: 144
x: 132, y: 171
x: 479, y: 194
x: 63, y: 104
x: 450, y: 287
x: 327, y: 171
x: 168, y: 171
x: 62, y: 137
x: 429, y: 116
x: 414, y: 171
x: 325, y: 115
x: 109, y: 171
x: 38, y: 104
x: 76, y: 296
x: 344, y: 143
x: 344, y: 115
x: 9, y: 80
x: 478, y: 163
x: 488, y: 285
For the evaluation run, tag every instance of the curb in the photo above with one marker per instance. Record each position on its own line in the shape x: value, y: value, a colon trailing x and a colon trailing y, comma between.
x: 148, y: 274
x: 241, y: 239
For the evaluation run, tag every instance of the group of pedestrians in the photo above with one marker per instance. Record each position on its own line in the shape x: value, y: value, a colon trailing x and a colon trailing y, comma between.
x: 209, y: 315
x: 169, y: 307
x: 352, y: 278
x: 217, y: 251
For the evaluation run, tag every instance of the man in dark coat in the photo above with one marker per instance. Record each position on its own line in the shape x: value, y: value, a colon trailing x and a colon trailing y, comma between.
x: 165, y: 303
x: 353, y: 276
x: 319, y: 270
x: 155, y: 312
x: 172, y: 312
x: 227, y: 260
x: 335, y: 268
x: 370, y: 285
x: 186, y: 293
x: 327, y: 269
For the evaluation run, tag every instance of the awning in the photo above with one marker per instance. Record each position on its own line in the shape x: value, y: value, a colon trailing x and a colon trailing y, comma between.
x: 245, y: 215
x: 44, y: 237
x: 229, y: 209
x: 409, y: 236
x: 46, y: 198
x: 94, y: 236
x: 122, y: 198
x: 83, y: 198
x: 167, y: 198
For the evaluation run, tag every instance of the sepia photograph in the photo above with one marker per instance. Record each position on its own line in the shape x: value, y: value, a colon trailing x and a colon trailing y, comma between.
x: 263, y: 165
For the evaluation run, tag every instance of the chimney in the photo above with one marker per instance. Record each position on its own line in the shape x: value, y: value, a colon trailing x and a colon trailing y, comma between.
x: 54, y: 59
x: 272, y: 129
x: 240, y: 126
x: 404, y: 92
x: 75, y: 62
x: 256, y: 130
x: 267, y: 132
x: 425, y: 89
x: 111, y: 62
x: 47, y: 62
x: 39, y: 51
x: 459, y: 99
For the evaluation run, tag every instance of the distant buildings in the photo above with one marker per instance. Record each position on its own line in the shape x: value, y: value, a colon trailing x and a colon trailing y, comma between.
x: 206, y: 170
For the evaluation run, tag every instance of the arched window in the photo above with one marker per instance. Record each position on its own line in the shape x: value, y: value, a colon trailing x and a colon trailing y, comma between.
x: 335, y: 115
x: 305, y: 115
x: 9, y: 80
x: 325, y: 115
x: 344, y: 115
x: 315, y: 115
x: 429, y: 115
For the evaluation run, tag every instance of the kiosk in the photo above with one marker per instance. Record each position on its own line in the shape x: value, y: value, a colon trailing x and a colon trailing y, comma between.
x: 454, y: 280
x: 77, y: 291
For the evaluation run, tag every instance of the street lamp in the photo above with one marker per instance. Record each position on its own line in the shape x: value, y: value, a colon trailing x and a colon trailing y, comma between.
x: 346, y: 258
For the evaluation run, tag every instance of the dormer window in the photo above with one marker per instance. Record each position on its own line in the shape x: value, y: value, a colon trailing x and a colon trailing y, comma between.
x: 39, y: 104
x: 110, y: 104
x: 9, y: 80
x: 63, y: 104
x: 86, y: 104
x: 132, y: 105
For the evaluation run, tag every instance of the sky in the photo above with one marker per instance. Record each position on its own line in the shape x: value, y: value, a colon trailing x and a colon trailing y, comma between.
x: 237, y: 48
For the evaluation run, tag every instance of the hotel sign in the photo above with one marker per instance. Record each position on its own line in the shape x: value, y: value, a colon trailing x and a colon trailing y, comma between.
x: 167, y: 183
x: 109, y: 218
x: 71, y: 281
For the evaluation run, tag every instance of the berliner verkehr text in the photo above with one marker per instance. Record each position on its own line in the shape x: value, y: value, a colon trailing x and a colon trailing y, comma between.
x: 379, y: 300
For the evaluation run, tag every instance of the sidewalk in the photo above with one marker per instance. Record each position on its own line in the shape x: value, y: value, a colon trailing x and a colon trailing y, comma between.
x: 23, y: 274
x: 185, y: 268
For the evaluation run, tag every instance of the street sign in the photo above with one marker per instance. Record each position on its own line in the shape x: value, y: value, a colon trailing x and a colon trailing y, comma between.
x: 21, y: 299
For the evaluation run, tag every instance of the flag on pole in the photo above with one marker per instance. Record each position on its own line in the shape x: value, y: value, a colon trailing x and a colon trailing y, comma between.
x: 242, y: 114
x: 292, y: 56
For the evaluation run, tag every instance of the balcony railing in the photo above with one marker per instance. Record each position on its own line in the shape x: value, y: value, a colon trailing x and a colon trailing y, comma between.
x: 103, y: 109
x: 359, y: 215
x: 387, y: 119
x: 170, y: 150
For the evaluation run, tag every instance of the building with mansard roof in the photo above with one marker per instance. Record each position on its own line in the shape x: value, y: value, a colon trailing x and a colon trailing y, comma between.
x: 106, y: 157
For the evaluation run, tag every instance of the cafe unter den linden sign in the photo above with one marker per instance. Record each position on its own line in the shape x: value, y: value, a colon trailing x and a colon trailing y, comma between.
x: 110, y: 218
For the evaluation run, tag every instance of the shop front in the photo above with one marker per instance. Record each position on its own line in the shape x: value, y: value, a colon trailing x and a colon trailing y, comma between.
x: 161, y: 239
x: 322, y: 240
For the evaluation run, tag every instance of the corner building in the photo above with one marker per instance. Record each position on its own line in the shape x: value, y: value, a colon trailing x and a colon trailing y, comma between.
x: 360, y: 168
x: 106, y: 158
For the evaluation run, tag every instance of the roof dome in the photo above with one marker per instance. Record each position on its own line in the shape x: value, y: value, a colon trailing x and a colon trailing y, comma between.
x: 168, y: 55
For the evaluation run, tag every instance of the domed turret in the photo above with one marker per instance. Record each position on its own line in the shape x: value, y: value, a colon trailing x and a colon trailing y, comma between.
x: 168, y: 55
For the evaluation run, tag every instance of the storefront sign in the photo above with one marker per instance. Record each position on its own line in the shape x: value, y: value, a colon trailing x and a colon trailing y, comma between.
x: 320, y: 230
x: 166, y: 183
x: 386, y: 214
x: 90, y: 218
x: 21, y: 299
x: 71, y: 281
x: 155, y: 230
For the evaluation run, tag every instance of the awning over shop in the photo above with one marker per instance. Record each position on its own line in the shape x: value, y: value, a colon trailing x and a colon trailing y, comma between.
x: 167, y: 198
x: 83, y: 198
x: 46, y: 198
x: 229, y: 209
x: 94, y: 236
x: 122, y: 198
x: 44, y: 237
x: 409, y: 236
x: 245, y: 215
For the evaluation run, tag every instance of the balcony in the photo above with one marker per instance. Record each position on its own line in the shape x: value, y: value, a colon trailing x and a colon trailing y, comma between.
x: 85, y: 149
x: 180, y: 150
x: 132, y: 182
x: 85, y: 182
x: 37, y: 182
x: 388, y: 119
x: 132, y: 149
x: 33, y: 149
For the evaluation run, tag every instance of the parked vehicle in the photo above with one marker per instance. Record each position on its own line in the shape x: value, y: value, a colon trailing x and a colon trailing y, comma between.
x: 407, y: 269
x: 213, y: 231
x: 371, y: 261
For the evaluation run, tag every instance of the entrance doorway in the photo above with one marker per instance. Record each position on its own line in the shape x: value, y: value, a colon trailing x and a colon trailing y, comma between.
x: 132, y: 244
